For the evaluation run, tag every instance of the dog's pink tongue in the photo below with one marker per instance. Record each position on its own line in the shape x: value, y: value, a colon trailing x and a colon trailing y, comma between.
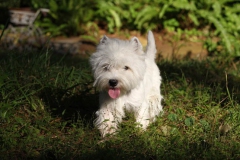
x: 114, y: 92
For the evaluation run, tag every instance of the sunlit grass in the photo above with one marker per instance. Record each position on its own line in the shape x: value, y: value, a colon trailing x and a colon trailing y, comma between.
x: 47, y: 106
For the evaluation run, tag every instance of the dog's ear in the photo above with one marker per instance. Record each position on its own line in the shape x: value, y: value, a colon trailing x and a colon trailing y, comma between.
x: 136, y: 43
x: 104, y: 39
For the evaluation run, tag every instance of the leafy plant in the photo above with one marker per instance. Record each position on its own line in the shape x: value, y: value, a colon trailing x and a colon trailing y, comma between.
x: 71, y: 18
x: 116, y: 14
x: 36, y: 4
x: 67, y: 17
x: 222, y: 17
x: 13, y: 3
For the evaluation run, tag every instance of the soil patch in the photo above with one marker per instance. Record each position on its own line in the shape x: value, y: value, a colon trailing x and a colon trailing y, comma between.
x: 168, y: 46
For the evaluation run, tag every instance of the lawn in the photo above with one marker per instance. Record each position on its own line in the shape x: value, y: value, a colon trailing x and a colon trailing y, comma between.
x: 47, y: 101
x: 47, y: 106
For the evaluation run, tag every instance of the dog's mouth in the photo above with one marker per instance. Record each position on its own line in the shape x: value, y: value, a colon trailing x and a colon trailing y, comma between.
x: 114, y: 92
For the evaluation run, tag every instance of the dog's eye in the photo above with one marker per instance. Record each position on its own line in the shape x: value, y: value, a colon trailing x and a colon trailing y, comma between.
x: 105, y: 68
x: 126, y: 67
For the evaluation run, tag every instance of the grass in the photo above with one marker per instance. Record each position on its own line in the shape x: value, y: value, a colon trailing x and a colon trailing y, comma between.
x: 47, y: 106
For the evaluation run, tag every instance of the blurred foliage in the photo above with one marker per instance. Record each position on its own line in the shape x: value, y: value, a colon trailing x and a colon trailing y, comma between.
x: 66, y: 17
x: 71, y: 17
x: 221, y: 17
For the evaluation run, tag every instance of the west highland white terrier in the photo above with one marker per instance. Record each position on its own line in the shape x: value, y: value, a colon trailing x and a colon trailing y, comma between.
x: 128, y: 79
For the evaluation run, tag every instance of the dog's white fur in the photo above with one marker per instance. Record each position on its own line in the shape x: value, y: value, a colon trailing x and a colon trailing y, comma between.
x: 138, y: 81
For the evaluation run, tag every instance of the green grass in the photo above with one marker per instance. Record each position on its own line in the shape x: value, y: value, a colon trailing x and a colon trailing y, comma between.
x: 47, y: 106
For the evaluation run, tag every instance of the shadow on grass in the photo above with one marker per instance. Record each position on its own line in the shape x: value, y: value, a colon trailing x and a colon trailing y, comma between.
x: 143, y: 152
x: 209, y: 72
x: 63, y: 82
x: 70, y: 107
x: 80, y: 100
x: 151, y: 148
x: 67, y: 104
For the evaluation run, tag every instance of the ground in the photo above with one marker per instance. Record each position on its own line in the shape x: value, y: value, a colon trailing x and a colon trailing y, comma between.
x: 168, y: 45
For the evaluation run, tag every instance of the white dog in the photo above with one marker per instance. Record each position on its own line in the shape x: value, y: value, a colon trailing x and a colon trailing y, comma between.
x: 128, y: 79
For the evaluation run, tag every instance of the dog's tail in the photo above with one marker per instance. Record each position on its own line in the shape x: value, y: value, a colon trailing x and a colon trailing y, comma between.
x: 151, y: 46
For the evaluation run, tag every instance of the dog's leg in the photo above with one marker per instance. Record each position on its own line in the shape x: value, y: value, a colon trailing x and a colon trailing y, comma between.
x: 142, y: 115
x: 108, y: 117
x: 155, y: 106
x: 148, y: 111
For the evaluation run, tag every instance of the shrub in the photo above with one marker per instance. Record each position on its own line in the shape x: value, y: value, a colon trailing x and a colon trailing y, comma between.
x: 66, y: 17
x: 221, y: 16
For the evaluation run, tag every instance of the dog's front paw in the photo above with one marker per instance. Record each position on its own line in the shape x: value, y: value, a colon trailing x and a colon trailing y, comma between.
x: 106, y: 123
x: 107, y: 128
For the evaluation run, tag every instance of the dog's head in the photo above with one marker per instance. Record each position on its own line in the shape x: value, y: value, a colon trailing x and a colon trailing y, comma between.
x: 118, y: 66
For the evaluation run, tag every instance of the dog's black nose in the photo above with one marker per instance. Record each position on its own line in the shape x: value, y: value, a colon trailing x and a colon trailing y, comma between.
x: 113, y: 82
